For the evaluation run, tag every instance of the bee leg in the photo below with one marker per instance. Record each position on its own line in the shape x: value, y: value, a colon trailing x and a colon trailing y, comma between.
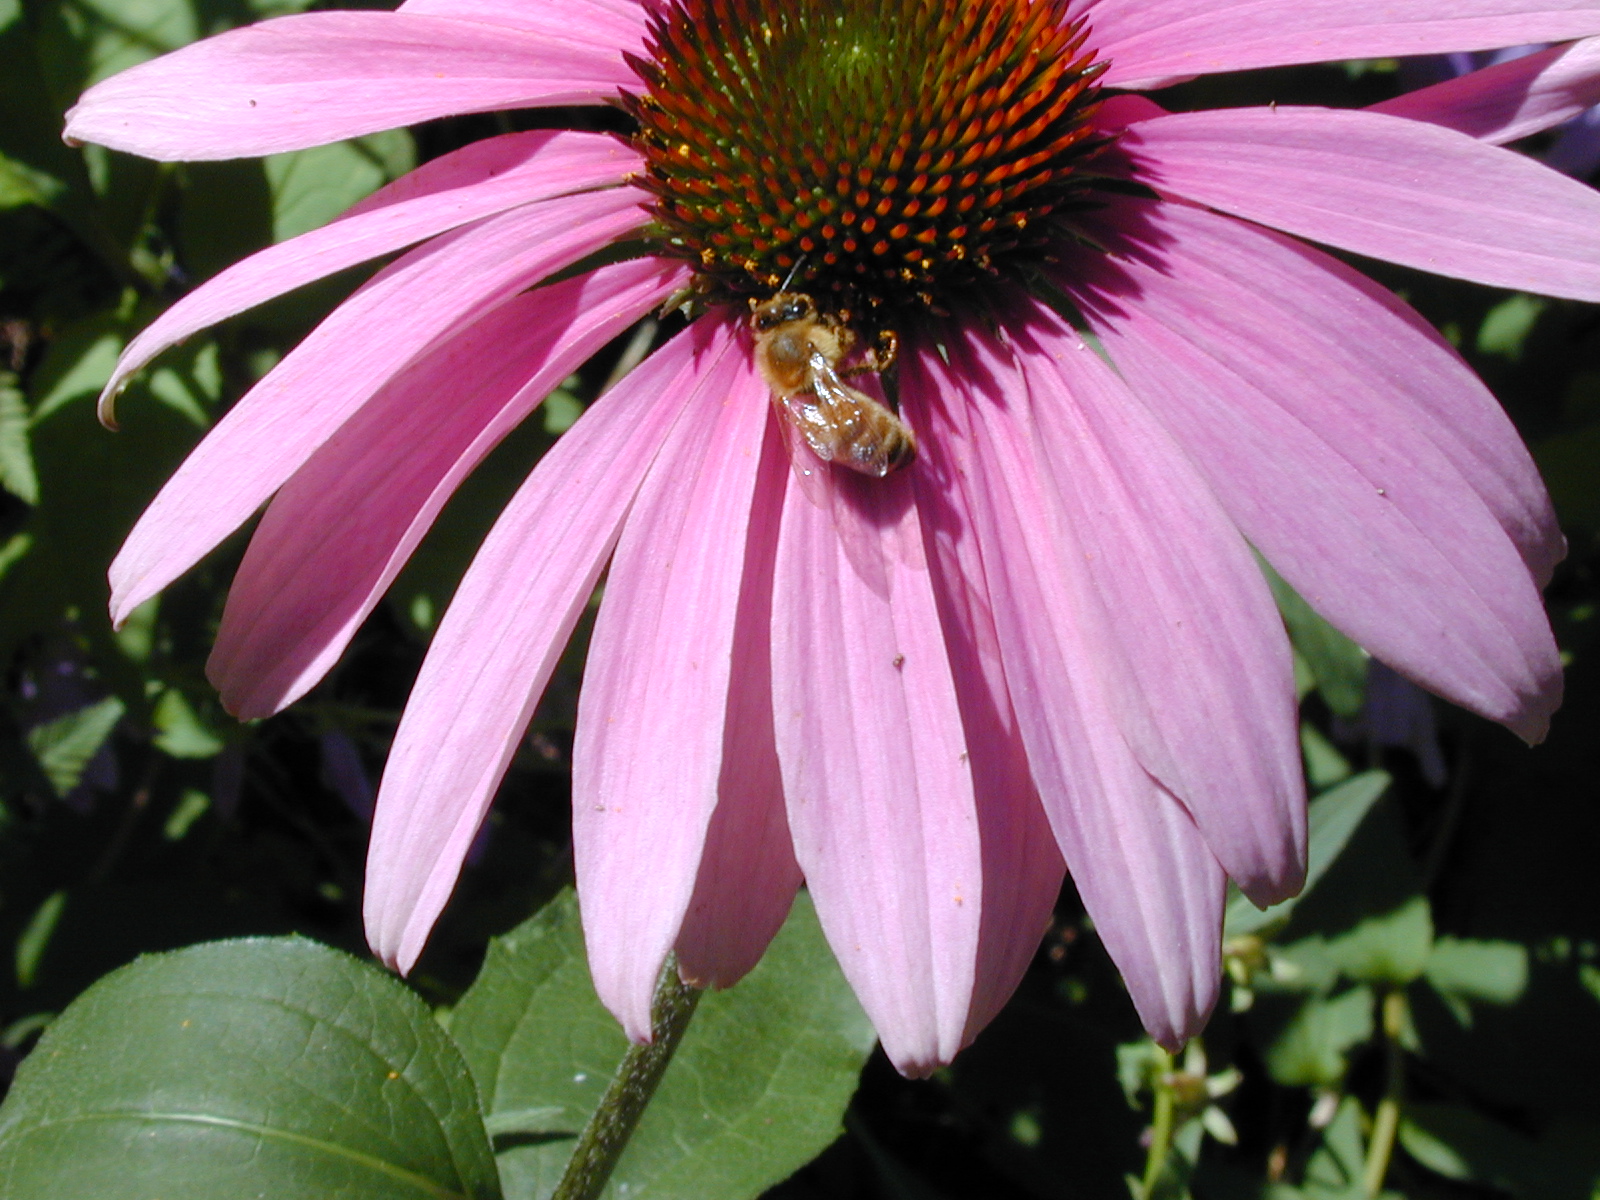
x: 886, y: 350
x: 880, y: 358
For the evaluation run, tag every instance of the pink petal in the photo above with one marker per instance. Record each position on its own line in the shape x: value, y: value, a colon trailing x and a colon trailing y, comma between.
x: 391, y: 321
x: 1405, y: 191
x: 1367, y: 348
x: 1323, y: 419
x: 1150, y: 42
x: 314, y: 78
x: 338, y: 533
x: 618, y: 23
x: 748, y: 874
x: 648, y: 749
x: 648, y: 754
x: 1144, y: 872
x: 483, y: 179
x: 503, y: 634
x: 1510, y: 100
x: 1207, y: 705
x: 1022, y: 867
x: 874, y: 760
x: 1116, y: 113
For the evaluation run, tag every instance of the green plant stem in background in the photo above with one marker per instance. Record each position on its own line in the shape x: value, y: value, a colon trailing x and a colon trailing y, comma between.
x: 1386, y: 1121
x: 1161, y: 1124
x: 606, y: 1135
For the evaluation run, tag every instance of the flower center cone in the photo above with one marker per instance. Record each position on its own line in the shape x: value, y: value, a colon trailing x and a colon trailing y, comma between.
x: 884, y: 156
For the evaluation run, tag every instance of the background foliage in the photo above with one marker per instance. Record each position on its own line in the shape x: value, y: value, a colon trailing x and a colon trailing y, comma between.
x: 1426, y: 1018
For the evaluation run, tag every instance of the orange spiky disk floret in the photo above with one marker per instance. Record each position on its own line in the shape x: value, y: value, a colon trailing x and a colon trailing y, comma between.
x: 898, y: 151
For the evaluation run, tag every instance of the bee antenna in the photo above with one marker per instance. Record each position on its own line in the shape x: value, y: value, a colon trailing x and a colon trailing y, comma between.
x: 793, y: 271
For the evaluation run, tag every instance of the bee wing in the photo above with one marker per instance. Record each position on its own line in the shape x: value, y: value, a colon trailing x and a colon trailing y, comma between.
x: 810, y: 418
x: 868, y: 437
x: 853, y: 418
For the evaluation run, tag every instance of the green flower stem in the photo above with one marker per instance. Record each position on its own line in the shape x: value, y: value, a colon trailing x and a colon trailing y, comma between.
x: 1386, y: 1121
x: 1161, y: 1124
x: 606, y: 1135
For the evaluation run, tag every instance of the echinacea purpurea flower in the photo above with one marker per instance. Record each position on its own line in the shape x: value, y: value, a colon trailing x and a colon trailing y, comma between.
x: 1047, y: 639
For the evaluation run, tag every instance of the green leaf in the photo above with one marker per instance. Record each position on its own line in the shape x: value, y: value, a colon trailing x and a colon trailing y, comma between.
x: 560, y: 411
x: 14, y: 549
x: 17, y: 474
x: 179, y: 731
x: 1331, y: 819
x: 137, y: 636
x: 1335, y: 1170
x: 1368, y: 920
x: 1462, y: 969
x: 1310, y: 1050
x: 1507, y: 325
x: 191, y: 806
x: 113, y: 35
x: 21, y: 184
x: 65, y: 746
x: 1441, y: 1148
x: 757, y: 1088
x: 1390, y: 947
x: 268, y: 1067
x: 191, y: 385
x: 78, y: 365
x: 35, y: 939
x: 311, y: 187
x: 1335, y: 815
x: 1337, y: 663
x: 1325, y: 766
x: 232, y: 209
x: 1461, y: 1143
x: 94, y: 484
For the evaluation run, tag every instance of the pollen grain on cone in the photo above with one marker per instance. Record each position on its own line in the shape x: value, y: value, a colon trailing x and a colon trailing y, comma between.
x: 898, y: 151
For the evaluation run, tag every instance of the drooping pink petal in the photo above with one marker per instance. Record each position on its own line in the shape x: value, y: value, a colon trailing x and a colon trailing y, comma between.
x: 1144, y: 872
x: 618, y: 23
x: 1323, y: 419
x: 647, y: 758
x: 1206, y: 704
x: 338, y: 533
x: 1149, y: 42
x: 503, y: 634
x: 1022, y: 867
x: 1510, y: 100
x: 393, y: 320
x: 875, y: 770
x: 748, y: 874
x: 478, y: 181
x: 313, y: 78
x: 1405, y: 191
x: 1371, y: 352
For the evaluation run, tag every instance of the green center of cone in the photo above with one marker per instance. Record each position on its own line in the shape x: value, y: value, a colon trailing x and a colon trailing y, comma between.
x: 891, y: 154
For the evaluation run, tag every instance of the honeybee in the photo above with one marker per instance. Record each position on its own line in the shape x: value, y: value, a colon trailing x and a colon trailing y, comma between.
x: 799, y: 350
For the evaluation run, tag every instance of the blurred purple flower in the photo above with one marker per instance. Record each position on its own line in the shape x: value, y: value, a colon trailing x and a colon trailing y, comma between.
x: 345, y: 773
x: 1398, y: 713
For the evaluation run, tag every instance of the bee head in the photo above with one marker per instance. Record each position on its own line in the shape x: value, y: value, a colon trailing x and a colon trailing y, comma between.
x: 782, y: 308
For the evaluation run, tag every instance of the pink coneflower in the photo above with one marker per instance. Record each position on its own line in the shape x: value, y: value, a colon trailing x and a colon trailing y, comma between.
x: 1046, y: 638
